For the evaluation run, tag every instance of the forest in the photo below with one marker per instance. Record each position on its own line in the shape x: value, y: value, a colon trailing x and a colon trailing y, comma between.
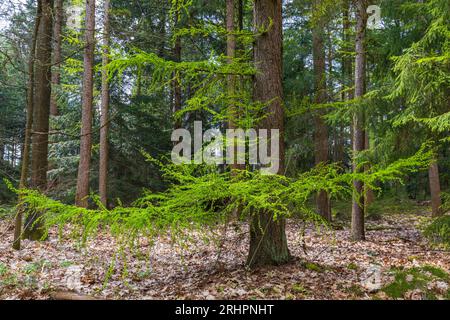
x: 225, y: 150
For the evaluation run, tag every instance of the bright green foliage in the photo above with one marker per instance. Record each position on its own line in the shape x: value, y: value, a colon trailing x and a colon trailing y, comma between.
x: 199, y: 196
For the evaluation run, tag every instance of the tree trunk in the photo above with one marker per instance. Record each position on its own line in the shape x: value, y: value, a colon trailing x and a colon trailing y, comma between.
x: 86, y: 119
x: 56, y: 74
x: 370, y: 195
x: 28, y: 127
x: 321, y: 130
x: 176, y: 86
x: 358, y: 119
x: 231, y: 80
x: 435, y: 189
x: 41, y: 111
x: 104, y: 118
x: 347, y: 68
x: 268, y: 243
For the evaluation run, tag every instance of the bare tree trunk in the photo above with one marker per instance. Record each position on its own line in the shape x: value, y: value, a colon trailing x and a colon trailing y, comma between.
x: 176, y: 86
x: 56, y: 74
x: 104, y: 118
x: 41, y: 112
x: 347, y: 61
x: 358, y: 119
x: 232, y: 81
x: 86, y: 119
x: 370, y: 196
x: 29, y: 123
x: 435, y: 189
x: 321, y: 130
x: 268, y: 243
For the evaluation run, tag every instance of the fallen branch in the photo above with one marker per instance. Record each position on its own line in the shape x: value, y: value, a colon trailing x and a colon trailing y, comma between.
x: 70, y: 295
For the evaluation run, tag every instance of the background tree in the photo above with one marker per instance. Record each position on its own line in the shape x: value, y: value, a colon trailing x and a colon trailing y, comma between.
x: 358, y: 119
x: 84, y: 166
x: 104, y: 112
x: 41, y: 113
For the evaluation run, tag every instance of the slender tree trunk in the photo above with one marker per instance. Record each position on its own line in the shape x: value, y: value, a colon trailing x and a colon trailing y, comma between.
x: 347, y: 68
x: 57, y: 36
x: 29, y: 122
x: 321, y: 130
x: 86, y: 119
x: 41, y: 112
x: 176, y: 86
x: 231, y: 81
x: 358, y: 119
x: 435, y: 189
x: 268, y: 243
x: 370, y: 196
x: 104, y: 118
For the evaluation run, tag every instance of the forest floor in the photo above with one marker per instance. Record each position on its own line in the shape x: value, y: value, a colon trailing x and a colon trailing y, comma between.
x: 395, y: 261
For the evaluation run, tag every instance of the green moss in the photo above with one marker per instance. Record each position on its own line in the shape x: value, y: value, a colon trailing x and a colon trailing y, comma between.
x: 314, y: 267
x: 298, y: 288
x: 355, y: 290
x: 352, y: 266
x: 437, y: 272
x: 418, y: 279
x: 3, y: 269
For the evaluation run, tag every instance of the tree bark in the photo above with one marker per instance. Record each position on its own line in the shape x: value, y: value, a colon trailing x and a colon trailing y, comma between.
x: 104, y: 118
x: 268, y: 243
x: 321, y: 130
x: 56, y: 74
x: 370, y: 195
x: 176, y: 86
x: 29, y: 122
x: 231, y: 79
x: 86, y: 119
x: 358, y: 232
x: 435, y: 189
x: 41, y: 112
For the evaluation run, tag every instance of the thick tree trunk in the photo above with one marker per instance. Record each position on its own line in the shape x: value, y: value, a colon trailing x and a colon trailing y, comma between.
x: 86, y: 119
x: 321, y: 130
x: 268, y: 243
x: 39, y: 162
x: 57, y: 36
x: 435, y: 189
x: 104, y: 112
x: 29, y: 123
x: 358, y: 119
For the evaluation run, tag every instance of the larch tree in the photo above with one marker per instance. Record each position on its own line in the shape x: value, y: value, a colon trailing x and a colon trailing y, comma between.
x: 268, y: 243
x: 84, y: 165
x: 41, y: 112
x: 104, y: 111
x: 357, y: 225
x: 320, y: 97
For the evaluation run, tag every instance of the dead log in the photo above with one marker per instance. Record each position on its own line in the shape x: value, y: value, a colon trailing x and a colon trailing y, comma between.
x: 70, y: 295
